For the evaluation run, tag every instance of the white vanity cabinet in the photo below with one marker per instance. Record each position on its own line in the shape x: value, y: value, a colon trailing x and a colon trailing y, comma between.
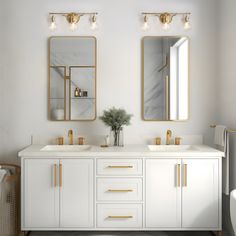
x: 163, y: 196
x: 57, y: 193
x: 183, y: 193
x: 114, y: 189
x: 40, y: 198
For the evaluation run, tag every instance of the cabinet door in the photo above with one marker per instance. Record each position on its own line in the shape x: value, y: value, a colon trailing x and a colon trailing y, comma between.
x: 76, y: 193
x: 40, y: 193
x: 163, y: 193
x: 200, y: 193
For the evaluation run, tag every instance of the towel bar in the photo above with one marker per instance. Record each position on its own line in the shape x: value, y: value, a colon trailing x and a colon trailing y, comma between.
x: 229, y: 130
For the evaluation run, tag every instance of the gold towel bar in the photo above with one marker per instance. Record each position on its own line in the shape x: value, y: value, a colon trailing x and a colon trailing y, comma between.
x: 229, y: 130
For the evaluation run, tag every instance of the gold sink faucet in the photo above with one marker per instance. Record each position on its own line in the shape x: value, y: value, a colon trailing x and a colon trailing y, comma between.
x: 168, y: 137
x: 70, y: 135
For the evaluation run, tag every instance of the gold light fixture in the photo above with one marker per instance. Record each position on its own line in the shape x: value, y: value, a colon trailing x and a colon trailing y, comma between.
x: 145, y: 23
x: 94, y: 24
x: 187, y: 25
x: 166, y: 18
x: 73, y: 19
x: 53, y: 25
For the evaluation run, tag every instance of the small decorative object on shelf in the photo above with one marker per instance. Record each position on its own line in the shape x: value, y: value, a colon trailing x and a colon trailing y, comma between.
x: 85, y: 93
x: 116, y: 119
x: 77, y: 92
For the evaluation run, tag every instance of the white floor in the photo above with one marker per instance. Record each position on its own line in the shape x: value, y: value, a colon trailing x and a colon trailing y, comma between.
x: 121, y: 234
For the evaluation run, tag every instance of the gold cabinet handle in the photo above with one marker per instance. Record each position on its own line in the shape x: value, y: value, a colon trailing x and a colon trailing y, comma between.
x: 60, y: 175
x: 55, y: 175
x: 120, y: 217
x: 185, y: 175
x: 120, y: 167
x: 178, y: 175
x: 119, y: 190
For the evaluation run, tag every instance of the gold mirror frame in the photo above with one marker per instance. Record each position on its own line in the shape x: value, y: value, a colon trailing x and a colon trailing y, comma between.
x: 142, y: 80
x: 66, y: 77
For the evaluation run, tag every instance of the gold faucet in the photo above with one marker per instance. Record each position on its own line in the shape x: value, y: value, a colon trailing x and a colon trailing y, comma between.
x: 70, y: 135
x: 168, y: 137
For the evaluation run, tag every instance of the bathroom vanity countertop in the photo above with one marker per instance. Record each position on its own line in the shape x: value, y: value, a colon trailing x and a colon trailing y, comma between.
x: 126, y: 151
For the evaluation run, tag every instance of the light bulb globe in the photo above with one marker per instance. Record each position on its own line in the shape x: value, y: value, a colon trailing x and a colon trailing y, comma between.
x: 165, y: 26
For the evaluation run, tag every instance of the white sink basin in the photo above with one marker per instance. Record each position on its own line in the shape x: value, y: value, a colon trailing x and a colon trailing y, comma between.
x: 171, y: 148
x: 66, y: 148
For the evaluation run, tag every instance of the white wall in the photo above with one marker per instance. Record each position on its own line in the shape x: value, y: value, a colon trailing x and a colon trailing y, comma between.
x: 1, y: 83
x: 24, y: 84
x: 226, y: 97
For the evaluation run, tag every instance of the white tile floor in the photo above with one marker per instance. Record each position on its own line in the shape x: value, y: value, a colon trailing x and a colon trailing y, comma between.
x: 121, y: 234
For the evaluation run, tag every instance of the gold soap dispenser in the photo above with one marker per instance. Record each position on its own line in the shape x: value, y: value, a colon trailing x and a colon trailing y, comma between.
x: 77, y: 92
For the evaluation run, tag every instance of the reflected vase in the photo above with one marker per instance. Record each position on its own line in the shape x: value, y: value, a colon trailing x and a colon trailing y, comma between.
x: 117, y: 137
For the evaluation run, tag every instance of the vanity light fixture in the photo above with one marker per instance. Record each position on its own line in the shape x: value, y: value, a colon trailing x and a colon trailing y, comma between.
x: 145, y: 23
x: 73, y: 19
x: 53, y: 25
x: 166, y: 18
x: 94, y: 24
x: 187, y: 25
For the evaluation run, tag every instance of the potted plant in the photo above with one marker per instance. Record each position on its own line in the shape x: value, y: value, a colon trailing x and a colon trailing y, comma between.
x: 116, y: 119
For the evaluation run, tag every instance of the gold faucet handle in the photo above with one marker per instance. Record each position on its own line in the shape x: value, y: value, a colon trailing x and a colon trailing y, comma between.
x: 177, y: 140
x: 158, y: 141
x: 81, y: 140
x: 60, y: 141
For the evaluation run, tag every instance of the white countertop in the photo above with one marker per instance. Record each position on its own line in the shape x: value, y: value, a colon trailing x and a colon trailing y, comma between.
x: 126, y: 151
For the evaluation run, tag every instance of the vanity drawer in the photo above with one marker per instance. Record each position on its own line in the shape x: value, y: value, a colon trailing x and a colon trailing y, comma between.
x: 119, y: 215
x: 119, y: 189
x: 119, y: 167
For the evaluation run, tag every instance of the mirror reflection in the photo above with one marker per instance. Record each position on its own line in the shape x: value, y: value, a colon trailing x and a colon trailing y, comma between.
x: 165, y: 83
x: 72, y: 81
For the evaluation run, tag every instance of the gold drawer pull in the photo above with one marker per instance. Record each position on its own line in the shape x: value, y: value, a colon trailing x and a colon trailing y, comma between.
x: 120, y: 217
x: 60, y: 177
x: 55, y: 175
x: 120, y: 167
x: 185, y: 175
x: 120, y: 190
x: 178, y: 175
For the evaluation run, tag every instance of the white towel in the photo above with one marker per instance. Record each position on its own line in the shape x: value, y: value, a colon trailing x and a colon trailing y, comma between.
x: 222, y: 143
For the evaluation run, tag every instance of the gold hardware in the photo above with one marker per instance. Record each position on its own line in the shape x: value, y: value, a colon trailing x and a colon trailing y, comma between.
x: 60, y: 141
x: 120, y: 190
x: 60, y: 175
x: 81, y: 140
x: 168, y: 137
x: 55, y: 175
x: 120, y: 167
x: 229, y: 130
x: 177, y: 140
x: 185, y: 175
x: 178, y: 174
x: 120, y: 217
x: 73, y: 18
x: 158, y: 141
x: 167, y: 17
x: 70, y: 135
